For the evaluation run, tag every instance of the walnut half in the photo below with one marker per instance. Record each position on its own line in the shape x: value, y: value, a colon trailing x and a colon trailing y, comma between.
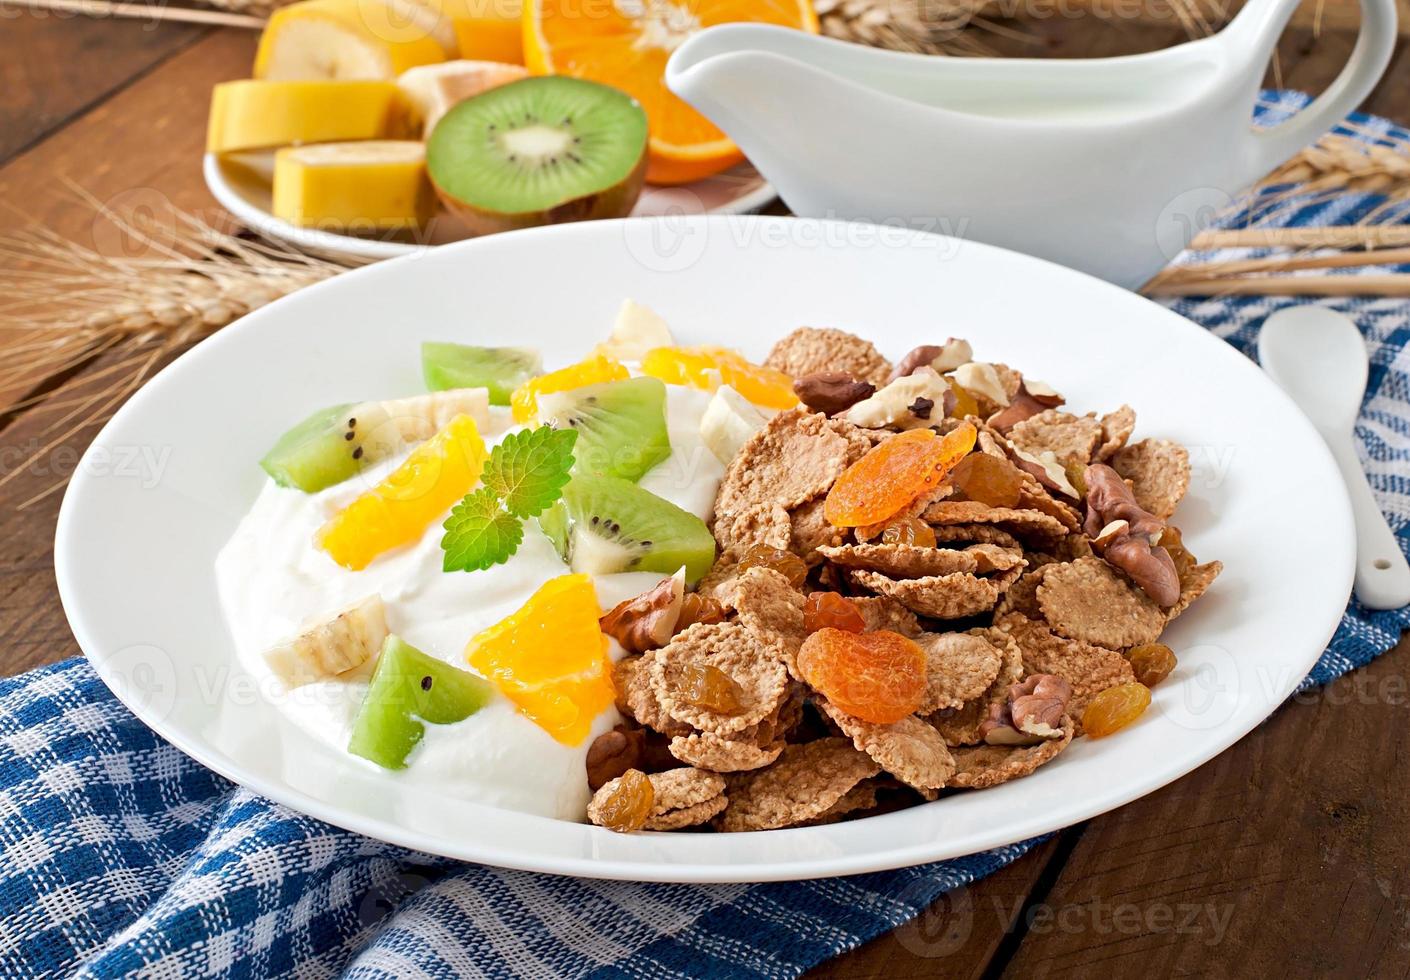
x: 1032, y: 713
x: 1134, y: 550
x: 648, y: 621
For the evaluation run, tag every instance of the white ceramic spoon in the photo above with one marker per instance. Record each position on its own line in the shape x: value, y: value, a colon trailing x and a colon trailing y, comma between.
x: 1318, y: 357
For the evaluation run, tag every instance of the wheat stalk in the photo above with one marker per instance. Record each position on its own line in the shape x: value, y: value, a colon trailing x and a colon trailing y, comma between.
x: 919, y: 26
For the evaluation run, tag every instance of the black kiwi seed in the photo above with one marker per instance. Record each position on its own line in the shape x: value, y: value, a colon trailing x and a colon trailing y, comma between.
x: 357, y: 453
x: 349, y: 435
x: 426, y: 683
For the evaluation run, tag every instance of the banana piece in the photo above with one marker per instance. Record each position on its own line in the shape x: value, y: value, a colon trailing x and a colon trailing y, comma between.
x: 432, y: 89
x: 387, y: 427
x: 332, y: 648
x: 891, y: 406
x: 637, y: 330
x: 346, y: 39
x: 261, y: 115
x: 363, y: 186
x: 728, y: 423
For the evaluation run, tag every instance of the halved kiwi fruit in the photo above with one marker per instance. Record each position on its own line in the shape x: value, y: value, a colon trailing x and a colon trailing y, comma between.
x: 539, y: 151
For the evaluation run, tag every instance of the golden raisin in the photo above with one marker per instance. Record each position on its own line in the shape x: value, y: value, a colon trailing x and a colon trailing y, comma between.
x: 830, y: 610
x: 965, y: 403
x: 1076, y: 474
x: 877, y: 677
x: 629, y: 805
x: 1115, y: 708
x: 696, y: 608
x: 1151, y: 662
x: 709, y: 687
x: 887, y: 479
x: 909, y: 530
x: 988, y: 480
x: 786, y: 563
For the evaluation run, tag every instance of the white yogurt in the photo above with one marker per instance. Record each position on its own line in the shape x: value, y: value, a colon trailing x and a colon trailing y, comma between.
x: 273, y: 581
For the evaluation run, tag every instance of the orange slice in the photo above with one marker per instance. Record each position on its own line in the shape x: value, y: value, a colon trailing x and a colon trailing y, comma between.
x: 550, y: 658
x: 524, y: 401
x: 710, y: 367
x: 625, y: 43
x: 399, y: 509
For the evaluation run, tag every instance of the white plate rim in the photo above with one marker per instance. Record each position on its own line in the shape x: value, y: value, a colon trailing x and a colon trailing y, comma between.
x: 1336, y: 571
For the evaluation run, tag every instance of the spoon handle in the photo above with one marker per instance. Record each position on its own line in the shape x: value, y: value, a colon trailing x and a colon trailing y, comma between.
x: 1382, y: 574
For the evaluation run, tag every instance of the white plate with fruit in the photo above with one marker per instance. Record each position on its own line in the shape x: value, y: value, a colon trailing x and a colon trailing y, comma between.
x: 375, y: 127
x: 216, y: 601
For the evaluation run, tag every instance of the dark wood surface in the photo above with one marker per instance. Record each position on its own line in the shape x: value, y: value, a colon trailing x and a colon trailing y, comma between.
x: 1287, y: 856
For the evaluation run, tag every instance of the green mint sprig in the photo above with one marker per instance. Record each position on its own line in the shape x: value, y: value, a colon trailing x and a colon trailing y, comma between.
x: 523, y: 477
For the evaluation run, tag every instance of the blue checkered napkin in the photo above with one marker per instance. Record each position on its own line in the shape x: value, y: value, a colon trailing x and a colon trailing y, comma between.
x: 122, y: 856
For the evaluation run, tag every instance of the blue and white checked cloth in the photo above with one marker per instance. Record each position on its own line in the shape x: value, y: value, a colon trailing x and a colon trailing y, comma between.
x: 122, y: 856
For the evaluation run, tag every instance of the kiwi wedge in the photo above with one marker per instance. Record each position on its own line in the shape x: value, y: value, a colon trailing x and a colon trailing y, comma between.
x: 604, y: 524
x: 621, y: 425
x: 409, y: 689
x: 498, y: 369
x: 539, y: 151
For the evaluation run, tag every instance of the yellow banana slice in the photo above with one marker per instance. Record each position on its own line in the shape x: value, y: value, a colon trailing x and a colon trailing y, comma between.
x: 372, y: 185
x: 432, y: 89
x: 259, y: 115
x: 347, y: 39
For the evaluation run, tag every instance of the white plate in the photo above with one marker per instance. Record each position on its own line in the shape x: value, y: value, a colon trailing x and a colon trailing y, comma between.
x: 739, y: 190
x: 166, y: 481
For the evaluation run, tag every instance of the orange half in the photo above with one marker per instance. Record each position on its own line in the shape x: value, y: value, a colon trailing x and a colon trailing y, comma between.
x: 625, y: 44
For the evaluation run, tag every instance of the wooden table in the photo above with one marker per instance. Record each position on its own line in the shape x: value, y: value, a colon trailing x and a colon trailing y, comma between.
x: 1287, y: 856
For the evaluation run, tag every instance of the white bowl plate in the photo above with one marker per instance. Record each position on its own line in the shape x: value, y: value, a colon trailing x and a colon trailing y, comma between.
x: 739, y: 190
x: 167, y: 480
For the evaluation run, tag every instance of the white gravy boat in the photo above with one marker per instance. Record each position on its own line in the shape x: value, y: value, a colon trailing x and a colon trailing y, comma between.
x: 1106, y: 165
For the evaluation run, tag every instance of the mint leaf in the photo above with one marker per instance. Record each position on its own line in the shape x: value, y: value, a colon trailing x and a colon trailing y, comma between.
x: 479, y: 534
x: 529, y: 469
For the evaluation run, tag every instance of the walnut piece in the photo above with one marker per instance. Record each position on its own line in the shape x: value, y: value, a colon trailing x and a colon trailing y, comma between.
x: 1026, y: 404
x: 1032, y: 712
x: 831, y: 392
x: 612, y: 753
x: 942, y: 357
x: 648, y: 621
x: 1135, y: 552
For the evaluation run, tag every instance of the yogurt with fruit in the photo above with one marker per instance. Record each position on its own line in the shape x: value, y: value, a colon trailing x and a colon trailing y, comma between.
x: 420, y: 582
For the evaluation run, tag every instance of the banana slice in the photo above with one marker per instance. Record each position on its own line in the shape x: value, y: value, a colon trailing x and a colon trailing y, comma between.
x: 432, y: 89
x: 261, y: 115
x: 365, y: 186
x: 728, y: 423
x: 346, y: 39
x: 387, y: 427
x: 637, y: 330
x: 332, y: 648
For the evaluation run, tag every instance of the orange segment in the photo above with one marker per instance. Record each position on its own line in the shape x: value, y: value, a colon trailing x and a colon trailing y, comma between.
x: 625, y: 43
x: 525, y: 399
x: 550, y: 658
x: 710, y: 367
x: 399, y: 509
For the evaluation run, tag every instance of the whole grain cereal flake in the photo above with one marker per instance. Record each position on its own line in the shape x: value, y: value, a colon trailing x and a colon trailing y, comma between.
x: 880, y: 612
x: 752, y: 663
x: 1193, y: 583
x: 719, y: 753
x: 1071, y: 438
x: 772, y: 609
x: 912, y: 561
x: 859, y: 798
x: 1159, y: 472
x: 959, y: 667
x: 1026, y: 525
x: 1117, y: 427
x: 680, y: 798
x: 758, y: 525
x: 637, y: 698
x: 982, y: 766
x: 939, y: 596
x: 961, y: 726
x: 809, y: 531
x: 809, y: 350
x: 794, y: 458
x: 805, y: 782
x: 1088, y: 600
x: 1089, y: 668
x: 909, y: 749
x: 975, y: 534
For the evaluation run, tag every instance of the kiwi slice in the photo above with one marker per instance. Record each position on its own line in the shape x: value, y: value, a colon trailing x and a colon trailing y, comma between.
x: 539, y: 151
x: 605, y: 524
x: 316, y: 453
x: 408, y: 689
x: 498, y: 369
x: 621, y: 425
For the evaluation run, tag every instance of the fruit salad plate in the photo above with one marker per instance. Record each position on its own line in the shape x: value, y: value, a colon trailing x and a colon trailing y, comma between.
x: 245, y: 193
x: 176, y: 553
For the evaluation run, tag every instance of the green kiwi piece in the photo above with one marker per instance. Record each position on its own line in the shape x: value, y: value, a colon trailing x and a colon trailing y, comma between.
x: 605, y: 524
x: 316, y: 453
x: 498, y: 369
x: 539, y: 151
x: 408, y: 689
x: 621, y: 425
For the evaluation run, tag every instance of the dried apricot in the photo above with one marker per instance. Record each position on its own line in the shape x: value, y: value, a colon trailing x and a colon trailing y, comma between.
x: 629, y: 805
x: 1151, y: 662
x: 830, y: 610
x: 696, y: 608
x: 884, y: 481
x: 707, y: 686
x: 1115, y: 708
x: 965, y: 403
x: 789, y: 565
x: 909, y: 530
x: 988, y: 480
x: 877, y: 677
